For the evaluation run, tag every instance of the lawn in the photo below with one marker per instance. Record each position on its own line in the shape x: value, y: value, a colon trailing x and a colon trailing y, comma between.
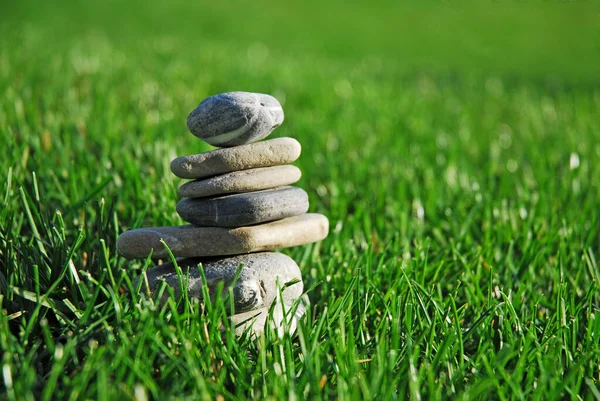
x: 454, y: 147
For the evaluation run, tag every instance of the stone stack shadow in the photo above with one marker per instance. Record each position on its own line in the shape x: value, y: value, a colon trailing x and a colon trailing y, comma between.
x: 240, y: 207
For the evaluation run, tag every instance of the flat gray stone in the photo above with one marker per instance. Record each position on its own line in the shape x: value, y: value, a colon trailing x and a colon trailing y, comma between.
x: 261, y: 277
x: 242, y: 181
x: 190, y: 241
x: 244, y: 209
x: 273, y: 152
x: 235, y: 118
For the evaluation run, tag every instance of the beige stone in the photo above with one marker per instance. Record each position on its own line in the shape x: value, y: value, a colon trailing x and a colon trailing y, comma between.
x: 273, y: 152
x: 190, y: 241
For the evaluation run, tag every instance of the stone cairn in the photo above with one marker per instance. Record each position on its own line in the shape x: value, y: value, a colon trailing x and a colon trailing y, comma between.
x: 240, y: 208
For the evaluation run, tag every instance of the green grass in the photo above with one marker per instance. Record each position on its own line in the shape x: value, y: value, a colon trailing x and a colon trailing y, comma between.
x: 460, y: 174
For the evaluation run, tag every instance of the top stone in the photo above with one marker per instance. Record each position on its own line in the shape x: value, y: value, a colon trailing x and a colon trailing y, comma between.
x: 235, y: 118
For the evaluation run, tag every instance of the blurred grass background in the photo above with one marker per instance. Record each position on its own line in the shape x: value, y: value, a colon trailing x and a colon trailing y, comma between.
x: 536, y: 39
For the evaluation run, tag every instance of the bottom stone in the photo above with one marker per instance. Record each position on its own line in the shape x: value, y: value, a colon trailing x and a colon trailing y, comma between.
x: 284, y: 319
x: 257, y: 281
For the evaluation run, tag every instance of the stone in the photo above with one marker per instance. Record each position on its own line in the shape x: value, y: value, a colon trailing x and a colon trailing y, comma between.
x: 244, y: 209
x: 261, y: 277
x: 273, y: 152
x: 284, y: 318
x: 235, y: 118
x: 190, y: 241
x: 242, y: 181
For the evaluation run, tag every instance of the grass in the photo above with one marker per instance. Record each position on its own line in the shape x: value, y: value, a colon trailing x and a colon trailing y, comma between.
x: 462, y: 192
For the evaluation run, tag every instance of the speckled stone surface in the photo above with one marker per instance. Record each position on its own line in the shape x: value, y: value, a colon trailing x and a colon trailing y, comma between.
x: 251, y: 180
x: 191, y: 241
x: 284, y: 319
x: 244, y: 209
x: 261, y: 277
x: 235, y: 118
x: 273, y: 152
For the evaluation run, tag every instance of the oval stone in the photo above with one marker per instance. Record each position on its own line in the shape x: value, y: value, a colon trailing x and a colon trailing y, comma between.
x: 244, y: 209
x: 284, y: 318
x: 273, y: 152
x: 261, y: 277
x: 235, y: 118
x: 242, y: 181
x: 190, y: 241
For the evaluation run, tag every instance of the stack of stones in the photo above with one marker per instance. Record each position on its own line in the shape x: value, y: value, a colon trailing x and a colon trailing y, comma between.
x: 239, y: 203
